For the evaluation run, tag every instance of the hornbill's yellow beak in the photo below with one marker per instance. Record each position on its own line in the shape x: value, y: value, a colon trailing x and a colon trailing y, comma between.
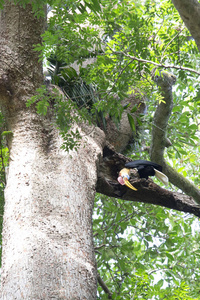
x: 127, y: 183
x: 123, y: 178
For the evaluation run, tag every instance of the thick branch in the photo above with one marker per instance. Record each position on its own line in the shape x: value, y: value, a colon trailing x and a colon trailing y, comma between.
x: 148, y: 192
x: 159, y: 140
x: 162, y: 114
x: 189, y: 11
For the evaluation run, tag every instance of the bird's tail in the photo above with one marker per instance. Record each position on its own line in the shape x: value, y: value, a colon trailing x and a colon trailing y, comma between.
x: 162, y: 177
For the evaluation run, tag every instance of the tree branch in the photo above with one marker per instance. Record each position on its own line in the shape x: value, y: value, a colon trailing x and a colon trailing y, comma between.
x: 189, y: 11
x: 154, y: 63
x: 162, y: 114
x: 104, y: 286
x: 159, y: 139
x: 148, y: 192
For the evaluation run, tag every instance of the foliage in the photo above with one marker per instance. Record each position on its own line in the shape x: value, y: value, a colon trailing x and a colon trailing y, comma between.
x: 127, y: 39
x: 83, y: 94
x: 64, y: 113
x: 145, y: 251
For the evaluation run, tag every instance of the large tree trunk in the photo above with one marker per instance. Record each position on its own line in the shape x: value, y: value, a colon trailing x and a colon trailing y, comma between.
x: 47, y: 235
x: 47, y: 231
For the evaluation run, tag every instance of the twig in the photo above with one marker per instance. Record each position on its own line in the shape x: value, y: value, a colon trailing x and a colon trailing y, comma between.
x: 161, y: 65
x: 162, y: 57
x: 110, y: 90
x: 100, y: 246
x: 158, y: 270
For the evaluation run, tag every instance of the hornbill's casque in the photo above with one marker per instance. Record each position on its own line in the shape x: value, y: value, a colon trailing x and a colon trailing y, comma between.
x: 144, y: 169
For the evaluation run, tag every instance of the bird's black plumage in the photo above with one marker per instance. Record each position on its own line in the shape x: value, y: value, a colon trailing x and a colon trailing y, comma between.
x: 145, y: 168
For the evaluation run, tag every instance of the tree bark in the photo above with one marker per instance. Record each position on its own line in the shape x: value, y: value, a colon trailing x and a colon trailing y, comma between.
x: 189, y: 11
x: 47, y: 230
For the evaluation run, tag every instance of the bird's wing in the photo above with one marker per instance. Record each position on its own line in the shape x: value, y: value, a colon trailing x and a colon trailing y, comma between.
x: 141, y: 162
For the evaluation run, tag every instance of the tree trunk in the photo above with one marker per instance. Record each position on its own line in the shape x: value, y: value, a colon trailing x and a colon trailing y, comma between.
x: 47, y: 231
x: 189, y: 11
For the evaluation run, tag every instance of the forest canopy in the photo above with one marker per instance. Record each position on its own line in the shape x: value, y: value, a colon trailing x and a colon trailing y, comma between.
x: 100, y: 52
x: 127, y: 41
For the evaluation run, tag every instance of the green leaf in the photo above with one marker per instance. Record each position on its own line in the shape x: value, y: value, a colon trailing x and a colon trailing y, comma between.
x: 4, y: 133
x: 134, y: 109
x: 131, y: 122
x: 96, y: 5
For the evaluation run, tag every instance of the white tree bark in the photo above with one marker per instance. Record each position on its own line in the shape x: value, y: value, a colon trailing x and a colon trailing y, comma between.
x: 47, y: 248
x: 47, y: 231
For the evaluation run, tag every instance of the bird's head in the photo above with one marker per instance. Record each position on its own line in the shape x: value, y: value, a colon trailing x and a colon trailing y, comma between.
x: 124, y: 176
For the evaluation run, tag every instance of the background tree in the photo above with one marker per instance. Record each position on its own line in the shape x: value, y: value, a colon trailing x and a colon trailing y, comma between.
x: 47, y: 237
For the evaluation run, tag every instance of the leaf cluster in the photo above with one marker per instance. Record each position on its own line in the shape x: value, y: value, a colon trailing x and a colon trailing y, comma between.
x: 145, y: 252
x: 84, y: 95
x: 64, y: 111
x: 37, y: 5
x: 111, y: 34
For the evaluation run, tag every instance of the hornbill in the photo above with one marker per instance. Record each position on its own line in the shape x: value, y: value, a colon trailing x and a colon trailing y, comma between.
x: 144, y: 169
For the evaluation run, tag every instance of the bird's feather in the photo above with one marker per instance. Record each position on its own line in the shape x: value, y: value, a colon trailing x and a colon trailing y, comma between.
x: 142, y: 163
x: 162, y: 177
x: 147, y: 168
